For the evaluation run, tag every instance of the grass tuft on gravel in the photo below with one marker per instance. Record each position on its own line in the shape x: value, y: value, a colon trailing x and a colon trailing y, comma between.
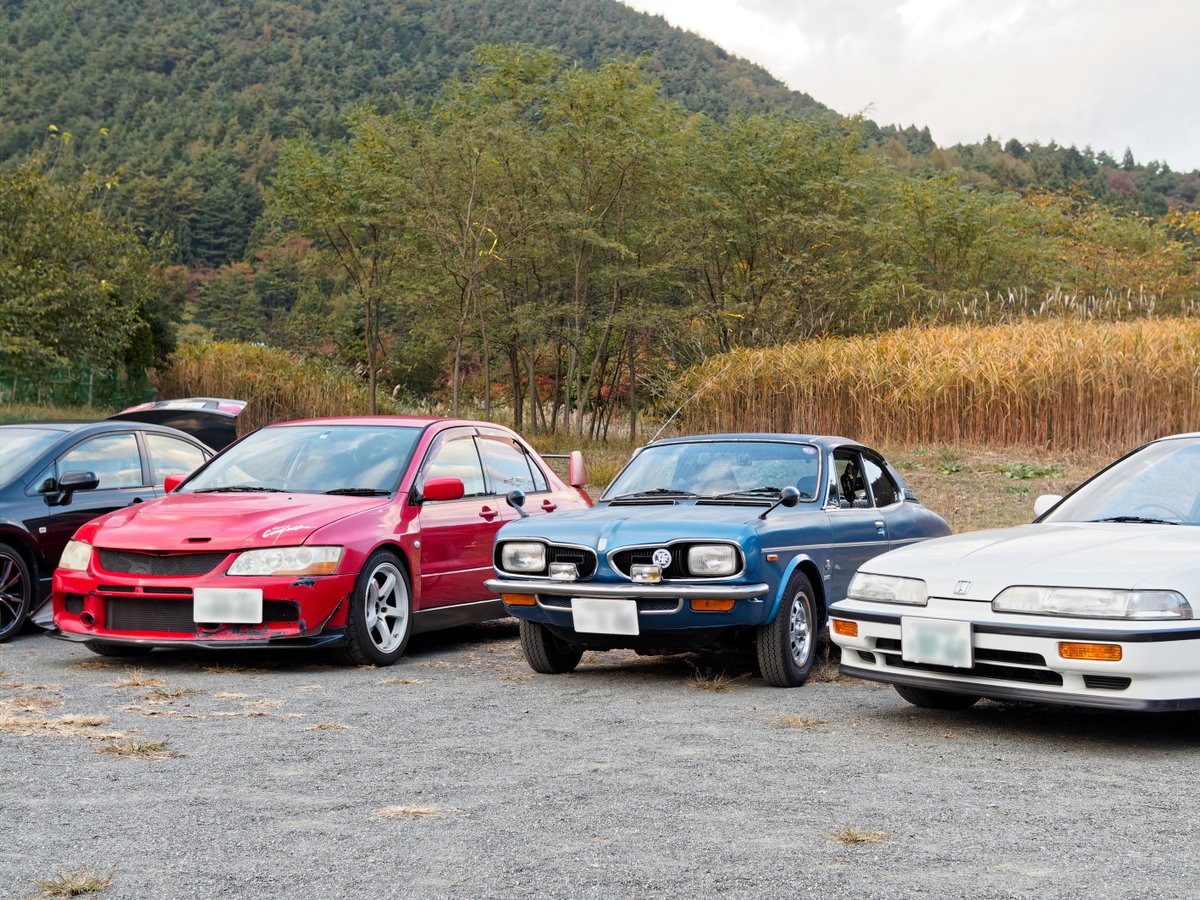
x: 409, y: 812
x: 74, y: 884
x: 138, y: 678
x: 328, y: 726
x: 138, y: 749
x: 851, y: 836
x: 402, y: 681
x: 171, y: 693
x: 63, y: 726
x: 714, y: 682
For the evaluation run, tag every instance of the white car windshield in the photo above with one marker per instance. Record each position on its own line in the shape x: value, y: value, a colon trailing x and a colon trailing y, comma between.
x: 751, y: 469
x: 360, y: 460
x: 1159, y: 483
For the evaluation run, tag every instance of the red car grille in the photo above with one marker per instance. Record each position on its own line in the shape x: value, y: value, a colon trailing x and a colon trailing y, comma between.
x: 124, y: 614
x: 172, y: 564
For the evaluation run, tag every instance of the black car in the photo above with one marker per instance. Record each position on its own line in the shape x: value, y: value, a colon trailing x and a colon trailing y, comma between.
x: 54, y: 476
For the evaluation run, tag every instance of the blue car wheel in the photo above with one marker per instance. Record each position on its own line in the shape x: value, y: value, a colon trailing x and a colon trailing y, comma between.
x: 787, y: 645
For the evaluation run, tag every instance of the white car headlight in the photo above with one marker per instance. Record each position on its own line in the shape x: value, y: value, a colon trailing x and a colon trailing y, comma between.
x: 76, y: 555
x: 1097, y: 603
x: 523, y: 556
x: 287, y: 561
x: 888, y: 589
x: 711, y: 559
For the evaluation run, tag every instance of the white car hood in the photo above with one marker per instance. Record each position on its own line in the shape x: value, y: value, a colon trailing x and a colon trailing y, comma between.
x: 1071, y: 554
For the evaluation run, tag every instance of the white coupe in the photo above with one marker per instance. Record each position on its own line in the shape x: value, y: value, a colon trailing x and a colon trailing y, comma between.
x: 1097, y: 603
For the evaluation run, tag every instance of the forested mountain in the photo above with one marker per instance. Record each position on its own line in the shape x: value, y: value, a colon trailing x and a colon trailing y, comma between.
x: 190, y: 97
x: 187, y: 100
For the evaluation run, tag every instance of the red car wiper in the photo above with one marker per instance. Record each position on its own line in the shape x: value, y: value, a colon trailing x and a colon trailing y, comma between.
x: 232, y: 488
x: 359, y: 492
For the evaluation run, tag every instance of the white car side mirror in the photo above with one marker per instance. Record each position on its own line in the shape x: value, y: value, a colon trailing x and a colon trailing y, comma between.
x: 1043, y: 504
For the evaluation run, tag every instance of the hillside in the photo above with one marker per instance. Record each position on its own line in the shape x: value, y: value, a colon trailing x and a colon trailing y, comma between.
x: 194, y: 95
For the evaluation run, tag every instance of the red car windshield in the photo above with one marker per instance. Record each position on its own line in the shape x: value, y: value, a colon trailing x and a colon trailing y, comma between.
x: 314, y: 459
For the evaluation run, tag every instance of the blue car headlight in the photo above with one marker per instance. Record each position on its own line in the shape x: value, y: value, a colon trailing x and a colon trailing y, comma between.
x: 711, y: 560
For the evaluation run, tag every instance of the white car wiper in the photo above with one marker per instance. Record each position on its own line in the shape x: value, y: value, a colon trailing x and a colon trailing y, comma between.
x: 1140, y: 520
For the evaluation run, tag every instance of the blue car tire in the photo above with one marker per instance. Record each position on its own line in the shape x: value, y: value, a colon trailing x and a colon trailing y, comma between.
x: 546, y: 653
x: 787, y: 645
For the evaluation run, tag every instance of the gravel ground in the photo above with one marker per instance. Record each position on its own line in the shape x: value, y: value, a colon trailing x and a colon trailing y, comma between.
x: 459, y: 773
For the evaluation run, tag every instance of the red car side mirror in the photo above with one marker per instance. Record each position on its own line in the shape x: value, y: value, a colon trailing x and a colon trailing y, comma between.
x: 171, y: 482
x: 577, y: 474
x: 443, y: 489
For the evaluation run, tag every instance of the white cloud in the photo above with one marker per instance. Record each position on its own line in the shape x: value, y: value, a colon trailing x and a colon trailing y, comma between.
x: 1104, y: 73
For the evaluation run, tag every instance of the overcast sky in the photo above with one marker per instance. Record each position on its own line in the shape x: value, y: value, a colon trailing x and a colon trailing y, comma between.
x: 1107, y: 73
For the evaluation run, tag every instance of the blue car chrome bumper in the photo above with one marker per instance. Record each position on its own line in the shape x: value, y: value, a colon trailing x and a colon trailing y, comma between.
x: 627, y: 591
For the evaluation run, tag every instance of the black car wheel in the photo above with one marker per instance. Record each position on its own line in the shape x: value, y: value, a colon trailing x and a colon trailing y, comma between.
x: 928, y: 699
x: 545, y: 652
x: 787, y: 645
x: 16, y: 591
x: 379, y: 620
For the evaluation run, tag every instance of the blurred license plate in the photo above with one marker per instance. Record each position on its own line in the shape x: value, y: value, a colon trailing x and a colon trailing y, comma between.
x: 238, y: 605
x: 598, y: 615
x: 937, y: 642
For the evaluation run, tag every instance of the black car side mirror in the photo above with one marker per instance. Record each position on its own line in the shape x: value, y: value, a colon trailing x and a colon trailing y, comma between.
x: 788, y: 497
x: 516, y: 499
x: 61, y: 491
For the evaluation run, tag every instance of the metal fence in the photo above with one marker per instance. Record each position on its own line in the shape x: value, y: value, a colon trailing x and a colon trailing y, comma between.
x: 79, y: 386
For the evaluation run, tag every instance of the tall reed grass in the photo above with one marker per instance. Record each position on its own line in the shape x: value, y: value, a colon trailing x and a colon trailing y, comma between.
x: 1063, y: 384
x: 275, y: 384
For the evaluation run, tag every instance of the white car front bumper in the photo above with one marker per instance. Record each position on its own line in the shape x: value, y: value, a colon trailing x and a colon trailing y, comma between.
x: 1018, y: 658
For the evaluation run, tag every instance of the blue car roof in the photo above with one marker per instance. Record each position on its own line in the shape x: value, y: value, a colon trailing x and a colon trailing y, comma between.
x: 821, y: 440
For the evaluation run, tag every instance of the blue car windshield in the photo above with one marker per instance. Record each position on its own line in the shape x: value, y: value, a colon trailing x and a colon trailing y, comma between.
x: 19, y: 447
x: 321, y: 459
x: 1159, y: 483
x: 758, y: 469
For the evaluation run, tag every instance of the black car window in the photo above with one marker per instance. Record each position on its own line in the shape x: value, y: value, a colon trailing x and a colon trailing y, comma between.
x: 19, y: 447
x: 456, y: 458
x: 507, y: 466
x: 852, y: 487
x: 113, y: 457
x: 883, y: 489
x: 172, y: 456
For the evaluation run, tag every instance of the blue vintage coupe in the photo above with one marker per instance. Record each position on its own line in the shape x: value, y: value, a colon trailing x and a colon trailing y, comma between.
x: 708, y: 542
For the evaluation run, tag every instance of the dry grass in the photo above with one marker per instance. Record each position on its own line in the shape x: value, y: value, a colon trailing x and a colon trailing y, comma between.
x: 714, y: 682
x: 951, y: 735
x: 171, y: 693
x: 74, y: 884
x: 1054, y: 384
x: 29, y: 703
x: 278, y: 385
x: 852, y: 836
x: 397, y: 680
x: 800, y: 722
x: 129, y: 749
x: 409, y: 812
x: 328, y: 726
x: 85, y: 726
x: 138, y: 678
x: 97, y: 664
x: 307, y: 688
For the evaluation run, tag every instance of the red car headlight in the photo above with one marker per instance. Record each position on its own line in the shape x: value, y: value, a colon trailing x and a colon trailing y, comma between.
x: 287, y: 561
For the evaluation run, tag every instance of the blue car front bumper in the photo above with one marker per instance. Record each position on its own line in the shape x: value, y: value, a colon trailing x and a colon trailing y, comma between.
x: 661, y: 607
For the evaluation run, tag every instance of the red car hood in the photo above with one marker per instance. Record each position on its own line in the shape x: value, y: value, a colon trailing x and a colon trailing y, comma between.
x: 228, y: 521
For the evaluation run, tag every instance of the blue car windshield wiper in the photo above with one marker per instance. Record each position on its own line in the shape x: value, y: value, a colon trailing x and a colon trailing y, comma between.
x: 1140, y: 520
x: 232, y: 488
x: 656, y: 492
x: 750, y: 492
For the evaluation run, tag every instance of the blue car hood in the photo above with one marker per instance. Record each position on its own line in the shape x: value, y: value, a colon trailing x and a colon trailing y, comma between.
x: 623, y: 525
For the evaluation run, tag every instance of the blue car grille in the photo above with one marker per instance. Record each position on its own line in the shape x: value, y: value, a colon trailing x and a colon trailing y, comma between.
x: 624, y: 560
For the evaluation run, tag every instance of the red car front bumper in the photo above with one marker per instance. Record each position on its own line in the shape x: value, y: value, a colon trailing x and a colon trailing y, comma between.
x: 157, y: 609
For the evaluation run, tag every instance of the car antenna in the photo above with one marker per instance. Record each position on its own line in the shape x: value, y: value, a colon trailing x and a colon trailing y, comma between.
x: 699, y: 391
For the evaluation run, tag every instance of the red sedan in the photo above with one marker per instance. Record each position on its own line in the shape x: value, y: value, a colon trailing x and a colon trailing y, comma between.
x: 352, y: 533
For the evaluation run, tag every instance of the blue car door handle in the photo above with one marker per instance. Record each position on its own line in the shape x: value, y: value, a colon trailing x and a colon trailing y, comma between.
x: 880, y: 526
